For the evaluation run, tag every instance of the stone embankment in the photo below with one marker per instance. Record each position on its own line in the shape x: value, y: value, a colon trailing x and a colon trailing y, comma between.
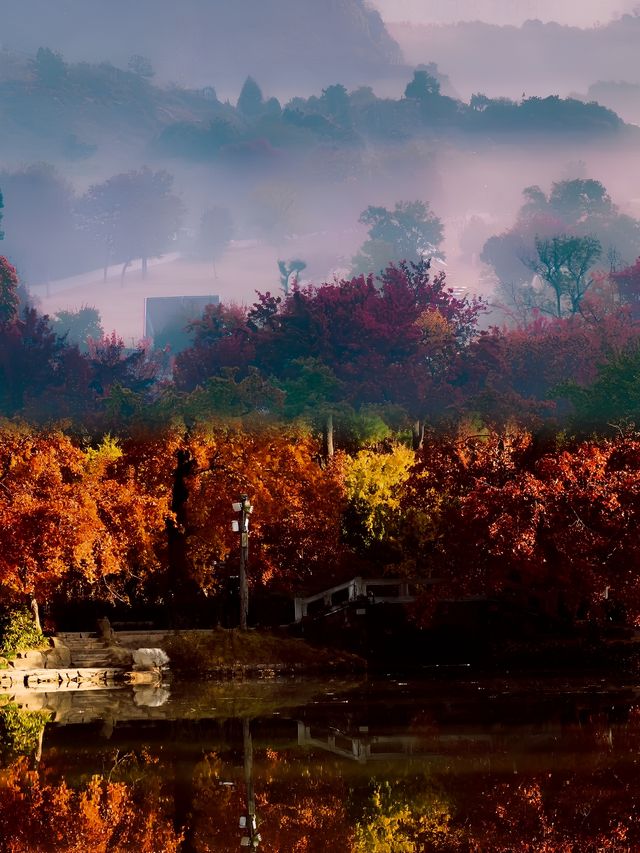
x: 80, y: 659
x: 58, y: 679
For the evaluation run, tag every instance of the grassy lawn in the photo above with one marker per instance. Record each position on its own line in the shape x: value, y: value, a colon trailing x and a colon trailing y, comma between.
x: 196, y: 651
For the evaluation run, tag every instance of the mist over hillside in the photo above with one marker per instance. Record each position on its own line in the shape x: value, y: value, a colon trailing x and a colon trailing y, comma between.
x: 538, y: 58
x: 286, y: 44
x: 586, y: 13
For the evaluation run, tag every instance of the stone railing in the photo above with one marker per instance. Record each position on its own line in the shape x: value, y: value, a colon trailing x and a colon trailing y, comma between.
x: 375, y: 590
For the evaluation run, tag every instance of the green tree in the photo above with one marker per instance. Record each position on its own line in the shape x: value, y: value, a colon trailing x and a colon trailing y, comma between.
x: 250, y: 102
x: 289, y: 272
x: 9, y: 299
x: 409, y: 232
x: 141, y: 66
x: 336, y: 104
x: 422, y: 87
x: 50, y: 68
x: 40, y: 225
x: 579, y: 199
x: 135, y: 214
x: 580, y: 207
x: 612, y: 401
x: 563, y: 263
x: 77, y: 327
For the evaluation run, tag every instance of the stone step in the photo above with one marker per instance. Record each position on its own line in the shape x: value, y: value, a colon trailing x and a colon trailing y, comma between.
x: 77, y: 635
x: 89, y: 649
x: 104, y: 655
x: 101, y: 656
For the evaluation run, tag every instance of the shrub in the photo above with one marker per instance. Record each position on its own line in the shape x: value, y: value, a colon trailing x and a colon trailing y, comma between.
x: 18, y: 632
x: 20, y: 730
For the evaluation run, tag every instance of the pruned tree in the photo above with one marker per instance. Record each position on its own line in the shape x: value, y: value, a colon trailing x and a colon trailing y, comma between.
x: 289, y: 272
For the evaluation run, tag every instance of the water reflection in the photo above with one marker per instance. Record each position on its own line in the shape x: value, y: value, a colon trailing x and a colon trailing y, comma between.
x: 536, y: 765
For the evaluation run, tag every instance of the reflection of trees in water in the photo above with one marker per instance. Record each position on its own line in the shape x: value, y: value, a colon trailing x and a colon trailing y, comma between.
x: 101, y: 814
x: 575, y: 791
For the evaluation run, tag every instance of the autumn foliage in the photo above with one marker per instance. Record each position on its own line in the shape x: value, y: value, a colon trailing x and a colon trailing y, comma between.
x: 370, y: 421
x: 101, y: 815
x: 544, y: 519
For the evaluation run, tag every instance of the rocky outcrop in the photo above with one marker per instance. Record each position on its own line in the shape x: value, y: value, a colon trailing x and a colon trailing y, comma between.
x: 58, y: 656
x: 150, y: 659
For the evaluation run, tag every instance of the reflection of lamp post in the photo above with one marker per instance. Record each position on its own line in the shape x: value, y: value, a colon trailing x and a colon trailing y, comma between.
x: 243, y: 506
x: 248, y: 822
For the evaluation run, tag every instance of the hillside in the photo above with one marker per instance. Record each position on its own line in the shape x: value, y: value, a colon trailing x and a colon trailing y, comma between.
x: 536, y: 58
x: 285, y: 44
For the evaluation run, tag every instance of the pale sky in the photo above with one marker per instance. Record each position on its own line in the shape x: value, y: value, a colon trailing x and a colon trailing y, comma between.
x: 577, y: 12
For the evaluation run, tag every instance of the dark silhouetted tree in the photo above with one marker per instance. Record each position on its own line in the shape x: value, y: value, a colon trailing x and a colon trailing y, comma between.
x: 9, y: 299
x: 564, y: 264
x: 39, y: 223
x: 216, y: 231
x: 49, y: 67
x: 422, y: 87
x: 77, y: 327
x: 250, y: 102
x: 135, y: 214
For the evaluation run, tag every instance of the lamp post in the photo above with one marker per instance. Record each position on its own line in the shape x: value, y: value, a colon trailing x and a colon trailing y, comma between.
x: 248, y: 822
x: 241, y: 526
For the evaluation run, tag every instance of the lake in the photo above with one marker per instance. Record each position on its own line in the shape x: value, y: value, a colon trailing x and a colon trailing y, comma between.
x: 452, y: 761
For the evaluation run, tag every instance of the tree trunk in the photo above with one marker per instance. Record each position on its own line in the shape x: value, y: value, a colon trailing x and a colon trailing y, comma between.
x: 417, y: 435
x: 125, y: 267
x: 38, y: 751
x: 179, y: 586
x: 35, y: 612
x: 328, y: 437
x: 244, y: 583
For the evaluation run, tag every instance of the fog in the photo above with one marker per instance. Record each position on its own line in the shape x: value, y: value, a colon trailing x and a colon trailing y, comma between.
x: 536, y: 58
x: 291, y: 177
x: 287, y: 44
x: 581, y: 13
